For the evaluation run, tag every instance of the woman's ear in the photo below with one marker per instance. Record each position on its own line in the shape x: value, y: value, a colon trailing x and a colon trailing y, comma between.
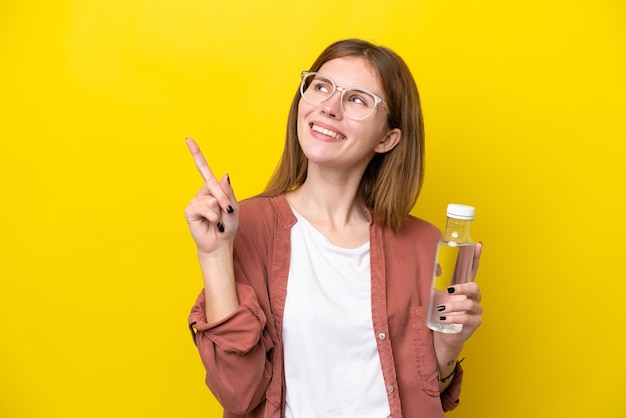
x: 389, y: 142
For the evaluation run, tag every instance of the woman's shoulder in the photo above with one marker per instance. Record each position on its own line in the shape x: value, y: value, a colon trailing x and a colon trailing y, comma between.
x: 261, y: 209
x: 254, y: 203
x: 413, y: 227
x: 416, y: 222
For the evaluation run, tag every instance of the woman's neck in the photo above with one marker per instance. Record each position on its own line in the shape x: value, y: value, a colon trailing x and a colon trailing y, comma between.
x: 331, y: 204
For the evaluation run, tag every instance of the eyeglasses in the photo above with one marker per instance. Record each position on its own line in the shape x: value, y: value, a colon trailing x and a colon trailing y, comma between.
x: 356, y: 103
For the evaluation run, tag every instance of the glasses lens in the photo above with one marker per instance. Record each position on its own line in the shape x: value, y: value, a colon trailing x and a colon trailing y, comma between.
x: 316, y: 88
x: 358, y: 104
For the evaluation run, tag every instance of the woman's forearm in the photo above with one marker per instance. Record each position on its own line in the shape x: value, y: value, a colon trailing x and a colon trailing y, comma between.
x: 219, y: 283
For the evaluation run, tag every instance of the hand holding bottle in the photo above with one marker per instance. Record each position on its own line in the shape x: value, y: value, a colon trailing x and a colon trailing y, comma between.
x: 453, y: 266
x: 464, y: 310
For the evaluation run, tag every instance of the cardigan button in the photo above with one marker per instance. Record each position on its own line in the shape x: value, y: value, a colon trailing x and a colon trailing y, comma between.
x: 390, y: 389
x: 382, y: 336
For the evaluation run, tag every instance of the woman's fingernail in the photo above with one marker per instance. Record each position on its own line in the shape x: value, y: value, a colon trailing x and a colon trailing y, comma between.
x: 230, y: 209
x: 220, y: 227
x: 441, y: 308
x: 451, y: 290
x: 442, y: 318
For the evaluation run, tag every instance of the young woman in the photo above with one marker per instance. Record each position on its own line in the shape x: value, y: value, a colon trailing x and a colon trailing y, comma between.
x: 315, y: 292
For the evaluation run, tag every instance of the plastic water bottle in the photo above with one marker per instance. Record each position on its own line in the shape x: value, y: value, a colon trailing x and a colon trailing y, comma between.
x: 453, y: 265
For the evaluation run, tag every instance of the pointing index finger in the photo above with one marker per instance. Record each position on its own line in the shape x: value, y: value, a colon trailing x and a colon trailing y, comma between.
x: 198, y: 157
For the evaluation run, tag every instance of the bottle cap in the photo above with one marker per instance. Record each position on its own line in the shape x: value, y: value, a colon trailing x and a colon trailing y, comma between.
x: 462, y: 212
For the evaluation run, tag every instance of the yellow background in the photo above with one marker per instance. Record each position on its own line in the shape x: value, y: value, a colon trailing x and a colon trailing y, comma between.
x: 525, y: 114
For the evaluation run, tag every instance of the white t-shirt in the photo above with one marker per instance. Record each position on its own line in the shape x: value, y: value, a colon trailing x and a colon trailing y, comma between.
x: 332, y: 367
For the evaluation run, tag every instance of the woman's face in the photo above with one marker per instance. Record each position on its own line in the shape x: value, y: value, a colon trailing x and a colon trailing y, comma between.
x: 328, y: 137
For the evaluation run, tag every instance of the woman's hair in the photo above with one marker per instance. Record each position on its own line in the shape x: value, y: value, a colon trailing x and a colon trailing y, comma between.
x: 392, y: 181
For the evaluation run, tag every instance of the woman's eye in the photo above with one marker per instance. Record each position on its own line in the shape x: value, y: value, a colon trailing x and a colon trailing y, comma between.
x: 322, y: 87
x: 357, y: 99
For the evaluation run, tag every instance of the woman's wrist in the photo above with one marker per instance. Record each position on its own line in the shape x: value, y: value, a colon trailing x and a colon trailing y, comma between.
x: 453, y: 372
x: 447, y: 359
x: 224, y: 251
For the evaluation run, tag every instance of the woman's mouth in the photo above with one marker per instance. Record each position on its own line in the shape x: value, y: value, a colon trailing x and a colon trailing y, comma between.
x: 327, y: 132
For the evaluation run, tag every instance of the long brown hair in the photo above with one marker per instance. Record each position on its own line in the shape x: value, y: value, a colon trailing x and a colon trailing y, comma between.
x: 392, y: 181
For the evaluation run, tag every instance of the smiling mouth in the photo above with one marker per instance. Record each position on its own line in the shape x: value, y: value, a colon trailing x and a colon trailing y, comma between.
x: 327, y: 132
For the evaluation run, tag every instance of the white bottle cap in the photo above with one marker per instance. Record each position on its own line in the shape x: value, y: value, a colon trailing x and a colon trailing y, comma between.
x: 463, y: 212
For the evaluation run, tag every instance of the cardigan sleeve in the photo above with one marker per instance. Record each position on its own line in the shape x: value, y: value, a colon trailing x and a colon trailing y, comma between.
x: 450, y: 396
x: 234, y: 352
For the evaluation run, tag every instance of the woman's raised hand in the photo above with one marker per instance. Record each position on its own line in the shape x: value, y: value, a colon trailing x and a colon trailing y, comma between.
x: 213, y: 215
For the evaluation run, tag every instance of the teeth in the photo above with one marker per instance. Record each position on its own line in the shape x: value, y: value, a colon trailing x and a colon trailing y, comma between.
x: 327, y: 132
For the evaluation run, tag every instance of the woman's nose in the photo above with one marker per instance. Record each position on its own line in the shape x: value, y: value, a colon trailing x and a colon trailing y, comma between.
x: 332, y: 107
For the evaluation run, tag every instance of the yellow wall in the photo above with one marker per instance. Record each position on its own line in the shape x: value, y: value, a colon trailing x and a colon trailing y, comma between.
x: 525, y: 110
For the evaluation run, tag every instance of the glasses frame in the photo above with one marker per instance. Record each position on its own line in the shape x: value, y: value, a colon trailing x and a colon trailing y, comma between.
x: 377, y: 98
